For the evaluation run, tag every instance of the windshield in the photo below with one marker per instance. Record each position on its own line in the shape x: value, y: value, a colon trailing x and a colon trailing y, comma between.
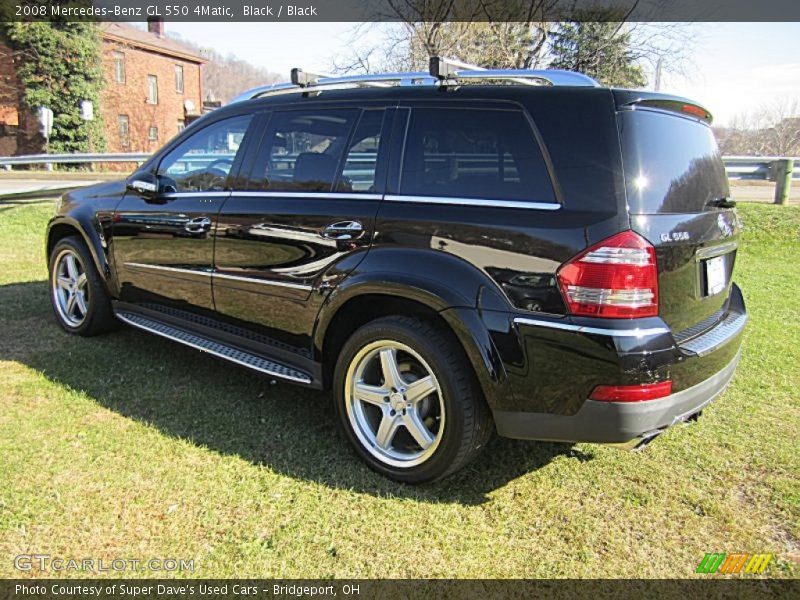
x: 672, y: 163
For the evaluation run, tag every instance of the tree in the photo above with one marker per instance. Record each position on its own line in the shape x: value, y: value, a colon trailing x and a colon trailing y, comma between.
x: 58, y: 65
x: 520, y: 34
x: 600, y: 49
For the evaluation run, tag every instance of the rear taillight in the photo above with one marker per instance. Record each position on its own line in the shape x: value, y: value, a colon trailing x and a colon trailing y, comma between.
x: 631, y: 393
x: 616, y: 279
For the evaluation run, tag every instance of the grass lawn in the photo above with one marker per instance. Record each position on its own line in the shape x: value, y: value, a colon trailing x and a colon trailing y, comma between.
x: 130, y: 446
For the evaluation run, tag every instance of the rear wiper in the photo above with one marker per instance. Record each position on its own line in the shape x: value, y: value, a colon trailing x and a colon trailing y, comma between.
x: 724, y: 202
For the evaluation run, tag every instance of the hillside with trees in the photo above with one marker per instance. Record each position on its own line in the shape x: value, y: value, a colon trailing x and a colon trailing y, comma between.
x: 771, y: 130
x: 226, y: 76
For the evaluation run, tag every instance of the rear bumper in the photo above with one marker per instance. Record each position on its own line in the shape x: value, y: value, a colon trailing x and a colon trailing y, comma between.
x: 615, y: 422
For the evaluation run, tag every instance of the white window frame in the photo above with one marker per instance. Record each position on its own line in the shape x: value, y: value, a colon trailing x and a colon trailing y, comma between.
x: 180, y: 73
x: 152, y: 89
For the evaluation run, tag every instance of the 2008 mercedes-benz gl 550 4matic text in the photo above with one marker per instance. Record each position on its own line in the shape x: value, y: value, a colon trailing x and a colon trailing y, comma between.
x: 451, y: 253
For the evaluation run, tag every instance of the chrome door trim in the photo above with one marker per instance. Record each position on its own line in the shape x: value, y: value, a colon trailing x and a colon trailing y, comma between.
x: 136, y: 265
x: 592, y: 330
x: 473, y: 202
x: 714, y: 251
x: 299, y: 286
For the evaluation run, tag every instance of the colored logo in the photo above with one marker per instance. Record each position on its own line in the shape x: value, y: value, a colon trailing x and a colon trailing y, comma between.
x: 719, y: 562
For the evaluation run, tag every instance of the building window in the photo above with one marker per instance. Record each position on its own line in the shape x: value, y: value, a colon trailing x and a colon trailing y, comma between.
x: 179, y: 78
x: 124, y: 130
x: 119, y: 67
x: 181, y: 125
x: 152, y: 134
x: 152, y: 89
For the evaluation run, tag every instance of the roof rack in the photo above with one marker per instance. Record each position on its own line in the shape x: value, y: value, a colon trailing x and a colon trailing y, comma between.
x: 441, y: 72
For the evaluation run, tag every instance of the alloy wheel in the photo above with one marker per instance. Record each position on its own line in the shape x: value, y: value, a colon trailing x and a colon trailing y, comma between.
x: 394, y: 403
x: 70, y: 288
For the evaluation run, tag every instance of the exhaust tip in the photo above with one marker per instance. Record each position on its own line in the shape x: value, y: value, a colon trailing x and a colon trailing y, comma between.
x: 641, y: 442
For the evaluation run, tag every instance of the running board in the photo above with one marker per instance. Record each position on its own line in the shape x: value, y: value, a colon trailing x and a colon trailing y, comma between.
x: 235, y: 355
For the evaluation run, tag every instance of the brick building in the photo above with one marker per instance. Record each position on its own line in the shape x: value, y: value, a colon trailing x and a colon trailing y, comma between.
x: 153, y: 87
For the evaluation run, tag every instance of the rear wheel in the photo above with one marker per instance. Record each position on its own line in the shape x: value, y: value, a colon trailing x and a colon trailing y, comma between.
x: 408, y: 400
x: 79, y: 298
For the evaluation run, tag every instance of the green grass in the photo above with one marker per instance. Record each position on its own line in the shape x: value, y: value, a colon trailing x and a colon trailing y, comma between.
x: 130, y: 446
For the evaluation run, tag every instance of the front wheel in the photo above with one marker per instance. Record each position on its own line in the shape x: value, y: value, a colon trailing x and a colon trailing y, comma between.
x: 79, y: 298
x: 408, y: 400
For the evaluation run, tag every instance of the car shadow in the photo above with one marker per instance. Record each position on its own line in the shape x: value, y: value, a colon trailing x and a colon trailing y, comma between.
x: 230, y: 410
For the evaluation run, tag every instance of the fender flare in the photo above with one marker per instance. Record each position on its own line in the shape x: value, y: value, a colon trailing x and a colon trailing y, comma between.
x: 92, y: 240
x: 457, y: 308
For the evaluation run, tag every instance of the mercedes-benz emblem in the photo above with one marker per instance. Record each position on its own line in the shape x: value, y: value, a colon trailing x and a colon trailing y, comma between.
x: 722, y: 223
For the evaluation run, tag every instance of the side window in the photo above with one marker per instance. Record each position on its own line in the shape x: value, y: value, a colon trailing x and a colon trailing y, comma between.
x: 361, y: 162
x: 302, y: 151
x: 203, y: 161
x: 474, y: 153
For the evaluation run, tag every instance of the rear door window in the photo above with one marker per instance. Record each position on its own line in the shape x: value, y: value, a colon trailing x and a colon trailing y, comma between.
x: 474, y: 153
x: 360, y: 171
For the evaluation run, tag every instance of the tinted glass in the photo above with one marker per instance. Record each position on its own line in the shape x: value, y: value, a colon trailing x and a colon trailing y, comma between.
x: 471, y: 153
x: 672, y: 164
x: 302, y: 150
x: 203, y: 161
x: 361, y: 162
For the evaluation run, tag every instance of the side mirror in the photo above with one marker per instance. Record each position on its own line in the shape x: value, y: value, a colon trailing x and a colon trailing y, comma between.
x: 145, y: 184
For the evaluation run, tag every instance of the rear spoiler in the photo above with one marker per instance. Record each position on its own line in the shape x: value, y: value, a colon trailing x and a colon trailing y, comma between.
x: 683, y: 107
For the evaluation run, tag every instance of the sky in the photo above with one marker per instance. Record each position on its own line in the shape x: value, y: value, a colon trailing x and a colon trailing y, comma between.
x: 736, y: 67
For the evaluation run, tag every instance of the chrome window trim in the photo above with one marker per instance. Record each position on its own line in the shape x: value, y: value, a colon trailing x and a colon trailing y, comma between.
x: 325, y: 195
x: 474, y: 202
x: 593, y: 330
x: 194, y: 194
x: 299, y: 286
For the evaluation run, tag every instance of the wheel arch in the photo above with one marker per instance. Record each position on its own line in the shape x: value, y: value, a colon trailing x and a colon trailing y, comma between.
x: 63, y: 226
x: 351, y: 306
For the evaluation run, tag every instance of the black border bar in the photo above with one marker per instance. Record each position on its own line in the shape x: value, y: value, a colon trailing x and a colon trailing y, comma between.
x: 401, y: 10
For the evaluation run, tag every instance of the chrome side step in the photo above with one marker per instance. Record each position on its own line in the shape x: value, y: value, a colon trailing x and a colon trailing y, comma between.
x: 240, y: 357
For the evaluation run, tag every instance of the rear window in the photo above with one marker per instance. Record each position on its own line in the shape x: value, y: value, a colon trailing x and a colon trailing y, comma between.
x: 672, y: 163
x: 472, y: 153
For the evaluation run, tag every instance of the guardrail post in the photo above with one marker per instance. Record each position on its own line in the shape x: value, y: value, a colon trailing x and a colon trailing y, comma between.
x: 783, y: 179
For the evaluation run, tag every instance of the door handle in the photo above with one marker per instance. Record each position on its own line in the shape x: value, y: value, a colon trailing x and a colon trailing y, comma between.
x: 343, y: 230
x: 198, y: 225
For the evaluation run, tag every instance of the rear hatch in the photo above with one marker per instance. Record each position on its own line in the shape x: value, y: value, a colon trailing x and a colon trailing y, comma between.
x: 678, y: 198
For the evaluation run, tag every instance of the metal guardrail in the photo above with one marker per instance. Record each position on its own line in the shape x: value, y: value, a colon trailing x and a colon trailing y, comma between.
x: 756, y: 167
x: 59, y: 159
x: 737, y: 167
x: 782, y: 170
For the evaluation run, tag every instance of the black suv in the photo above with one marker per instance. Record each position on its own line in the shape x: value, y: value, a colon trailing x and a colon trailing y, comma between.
x: 451, y: 253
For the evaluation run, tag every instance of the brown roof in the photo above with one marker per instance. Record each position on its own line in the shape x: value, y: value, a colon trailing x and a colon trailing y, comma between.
x: 120, y: 32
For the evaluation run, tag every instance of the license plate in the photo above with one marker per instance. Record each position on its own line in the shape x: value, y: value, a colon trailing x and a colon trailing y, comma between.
x: 715, y: 275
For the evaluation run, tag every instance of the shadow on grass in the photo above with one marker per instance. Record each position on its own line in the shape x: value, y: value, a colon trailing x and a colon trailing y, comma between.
x: 228, y: 409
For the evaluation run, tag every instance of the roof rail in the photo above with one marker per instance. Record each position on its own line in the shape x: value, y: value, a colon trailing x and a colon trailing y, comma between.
x: 441, y: 71
x: 445, y: 69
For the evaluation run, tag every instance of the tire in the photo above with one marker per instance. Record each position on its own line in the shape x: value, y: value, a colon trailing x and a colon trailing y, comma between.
x: 446, y: 401
x: 90, y: 312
